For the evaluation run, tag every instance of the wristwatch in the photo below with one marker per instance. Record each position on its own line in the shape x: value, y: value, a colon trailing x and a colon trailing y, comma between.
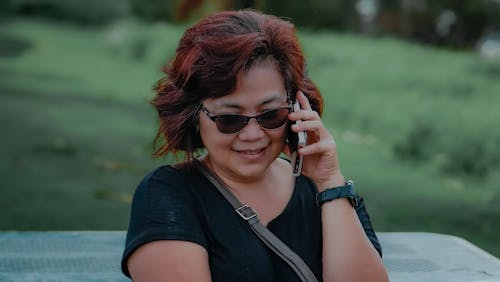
x: 330, y: 194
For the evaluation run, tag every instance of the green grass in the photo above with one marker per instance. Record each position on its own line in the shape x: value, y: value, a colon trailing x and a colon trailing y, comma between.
x: 415, y: 126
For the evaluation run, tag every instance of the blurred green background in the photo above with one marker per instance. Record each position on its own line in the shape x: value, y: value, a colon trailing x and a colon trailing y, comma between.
x: 412, y: 93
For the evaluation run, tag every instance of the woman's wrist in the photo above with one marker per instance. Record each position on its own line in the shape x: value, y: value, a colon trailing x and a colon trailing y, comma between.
x: 336, y: 180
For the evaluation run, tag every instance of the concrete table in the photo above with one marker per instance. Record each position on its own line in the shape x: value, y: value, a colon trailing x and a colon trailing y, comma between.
x: 95, y: 256
x: 430, y: 257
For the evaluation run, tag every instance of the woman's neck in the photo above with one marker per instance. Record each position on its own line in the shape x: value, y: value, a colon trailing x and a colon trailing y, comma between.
x: 242, y: 186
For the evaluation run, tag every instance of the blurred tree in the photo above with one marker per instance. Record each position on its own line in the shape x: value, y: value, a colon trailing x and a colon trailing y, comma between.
x: 153, y: 10
x: 457, y: 23
x: 340, y: 15
x: 93, y: 12
x: 184, y: 10
x: 443, y: 22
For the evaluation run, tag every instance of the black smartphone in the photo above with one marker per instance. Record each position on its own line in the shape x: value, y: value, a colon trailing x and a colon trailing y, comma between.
x: 296, y: 141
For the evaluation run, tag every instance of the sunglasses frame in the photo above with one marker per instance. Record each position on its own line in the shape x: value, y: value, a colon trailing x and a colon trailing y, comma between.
x: 247, y: 118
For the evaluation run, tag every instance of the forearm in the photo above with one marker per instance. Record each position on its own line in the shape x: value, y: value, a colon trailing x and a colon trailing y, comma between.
x: 348, y: 255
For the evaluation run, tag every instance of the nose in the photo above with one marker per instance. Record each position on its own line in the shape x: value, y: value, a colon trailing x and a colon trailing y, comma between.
x: 251, y: 131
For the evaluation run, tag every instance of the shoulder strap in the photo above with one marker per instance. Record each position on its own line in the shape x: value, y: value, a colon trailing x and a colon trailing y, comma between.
x: 250, y: 216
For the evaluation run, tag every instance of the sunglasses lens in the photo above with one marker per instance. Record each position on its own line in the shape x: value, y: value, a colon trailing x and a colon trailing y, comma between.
x: 230, y: 123
x: 273, y: 119
x: 235, y: 123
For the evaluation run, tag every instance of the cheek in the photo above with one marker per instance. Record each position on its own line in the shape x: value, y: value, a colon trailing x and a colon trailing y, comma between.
x: 205, y: 132
x: 279, y: 135
x: 210, y: 135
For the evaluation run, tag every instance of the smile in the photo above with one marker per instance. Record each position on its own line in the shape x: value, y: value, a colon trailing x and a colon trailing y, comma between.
x: 251, y: 155
x: 250, y: 152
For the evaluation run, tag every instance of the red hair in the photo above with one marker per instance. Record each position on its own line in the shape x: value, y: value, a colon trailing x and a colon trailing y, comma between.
x: 208, y: 60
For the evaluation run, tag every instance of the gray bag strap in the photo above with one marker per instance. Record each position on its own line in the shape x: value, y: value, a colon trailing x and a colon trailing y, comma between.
x: 250, y: 216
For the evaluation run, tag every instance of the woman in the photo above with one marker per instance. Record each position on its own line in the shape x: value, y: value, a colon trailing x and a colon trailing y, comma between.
x: 228, y: 93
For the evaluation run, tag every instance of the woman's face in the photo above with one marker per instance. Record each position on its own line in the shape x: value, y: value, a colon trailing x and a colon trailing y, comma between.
x: 246, y: 155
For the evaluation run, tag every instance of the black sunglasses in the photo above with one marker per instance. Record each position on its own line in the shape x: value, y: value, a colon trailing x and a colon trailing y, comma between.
x: 234, y: 123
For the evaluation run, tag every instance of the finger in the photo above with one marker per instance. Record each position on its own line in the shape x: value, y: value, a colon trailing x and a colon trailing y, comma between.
x: 303, y: 101
x: 304, y: 115
x: 316, y: 132
x: 319, y: 148
x: 315, y: 126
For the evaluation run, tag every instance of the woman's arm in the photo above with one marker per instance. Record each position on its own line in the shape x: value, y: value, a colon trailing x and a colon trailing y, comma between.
x: 348, y: 254
x: 169, y: 260
x: 165, y: 238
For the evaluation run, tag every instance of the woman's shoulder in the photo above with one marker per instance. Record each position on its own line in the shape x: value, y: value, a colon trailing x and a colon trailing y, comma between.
x: 165, y: 180
x: 169, y: 173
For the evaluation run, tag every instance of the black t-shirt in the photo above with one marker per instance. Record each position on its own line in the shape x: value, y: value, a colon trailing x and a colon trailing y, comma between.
x: 181, y: 204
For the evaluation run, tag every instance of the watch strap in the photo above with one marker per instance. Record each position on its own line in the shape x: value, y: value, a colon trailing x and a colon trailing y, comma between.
x: 330, y: 194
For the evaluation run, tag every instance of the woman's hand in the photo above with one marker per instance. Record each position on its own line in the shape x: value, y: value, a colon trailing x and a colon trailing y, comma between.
x: 321, y: 163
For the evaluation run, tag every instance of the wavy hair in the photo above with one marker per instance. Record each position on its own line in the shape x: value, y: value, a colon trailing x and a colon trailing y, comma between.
x: 207, y: 62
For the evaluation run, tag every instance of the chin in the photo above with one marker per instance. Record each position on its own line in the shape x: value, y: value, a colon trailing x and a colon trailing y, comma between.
x: 250, y: 173
x: 252, y: 169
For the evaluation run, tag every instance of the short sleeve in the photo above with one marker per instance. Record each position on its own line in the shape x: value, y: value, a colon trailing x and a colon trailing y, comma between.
x: 163, y: 208
x: 364, y: 218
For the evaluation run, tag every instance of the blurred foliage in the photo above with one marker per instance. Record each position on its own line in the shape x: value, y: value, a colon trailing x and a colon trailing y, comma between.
x: 318, y: 14
x: 153, y: 10
x: 185, y: 10
x: 441, y: 22
x: 457, y: 151
x: 86, y: 12
x: 12, y: 46
x: 417, y: 143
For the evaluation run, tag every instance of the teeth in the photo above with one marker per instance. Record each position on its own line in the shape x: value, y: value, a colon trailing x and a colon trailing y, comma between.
x: 251, y: 152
